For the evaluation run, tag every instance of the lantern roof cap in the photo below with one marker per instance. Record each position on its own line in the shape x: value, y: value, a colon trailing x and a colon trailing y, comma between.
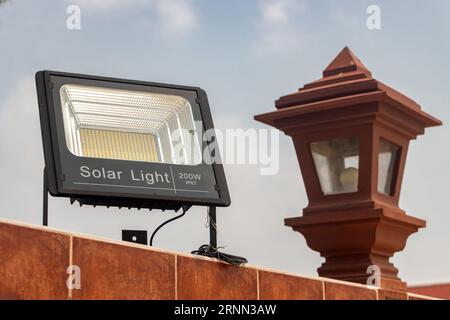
x: 345, y: 82
x: 345, y: 61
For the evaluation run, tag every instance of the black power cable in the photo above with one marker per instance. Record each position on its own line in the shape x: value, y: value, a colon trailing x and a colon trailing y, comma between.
x: 208, y: 251
x: 168, y: 221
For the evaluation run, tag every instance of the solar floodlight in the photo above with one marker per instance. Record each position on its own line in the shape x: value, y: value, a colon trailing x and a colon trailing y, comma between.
x: 125, y: 143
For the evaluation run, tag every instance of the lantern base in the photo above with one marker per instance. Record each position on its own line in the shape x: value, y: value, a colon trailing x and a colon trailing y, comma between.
x: 363, y: 269
x: 358, y: 243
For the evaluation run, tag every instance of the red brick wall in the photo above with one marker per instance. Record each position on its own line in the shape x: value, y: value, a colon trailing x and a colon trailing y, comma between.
x: 441, y: 291
x: 34, y: 260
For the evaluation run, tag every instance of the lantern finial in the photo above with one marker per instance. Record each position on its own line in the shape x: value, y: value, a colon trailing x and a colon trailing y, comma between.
x: 345, y: 61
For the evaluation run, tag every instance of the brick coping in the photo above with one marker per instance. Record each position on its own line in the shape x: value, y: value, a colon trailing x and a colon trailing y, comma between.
x: 178, y: 254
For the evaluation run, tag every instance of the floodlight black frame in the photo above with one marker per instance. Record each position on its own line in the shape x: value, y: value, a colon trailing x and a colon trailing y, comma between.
x: 45, y: 85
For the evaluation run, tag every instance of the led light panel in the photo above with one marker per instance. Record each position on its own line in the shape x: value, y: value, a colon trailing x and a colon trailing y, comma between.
x: 129, y: 125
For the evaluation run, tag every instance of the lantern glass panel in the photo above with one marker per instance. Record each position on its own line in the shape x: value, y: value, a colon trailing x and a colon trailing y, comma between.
x: 387, y: 161
x: 337, y: 164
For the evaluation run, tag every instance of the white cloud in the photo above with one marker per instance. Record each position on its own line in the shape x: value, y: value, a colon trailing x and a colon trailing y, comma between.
x: 106, y: 5
x: 278, y: 31
x: 174, y: 18
x: 275, y: 12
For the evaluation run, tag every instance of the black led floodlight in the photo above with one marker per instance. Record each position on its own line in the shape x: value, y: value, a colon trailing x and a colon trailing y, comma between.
x: 124, y: 143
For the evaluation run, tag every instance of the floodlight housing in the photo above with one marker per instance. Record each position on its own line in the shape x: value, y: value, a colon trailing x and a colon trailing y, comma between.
x: 126, y: 143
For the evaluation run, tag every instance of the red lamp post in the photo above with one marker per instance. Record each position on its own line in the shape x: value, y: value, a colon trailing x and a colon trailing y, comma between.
x: 351, y: 134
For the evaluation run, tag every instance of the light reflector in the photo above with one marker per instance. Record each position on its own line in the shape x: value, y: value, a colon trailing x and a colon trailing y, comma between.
x: 129, y: 125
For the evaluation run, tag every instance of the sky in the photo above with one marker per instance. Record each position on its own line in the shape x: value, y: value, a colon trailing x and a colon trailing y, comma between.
x: 245, y: 54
